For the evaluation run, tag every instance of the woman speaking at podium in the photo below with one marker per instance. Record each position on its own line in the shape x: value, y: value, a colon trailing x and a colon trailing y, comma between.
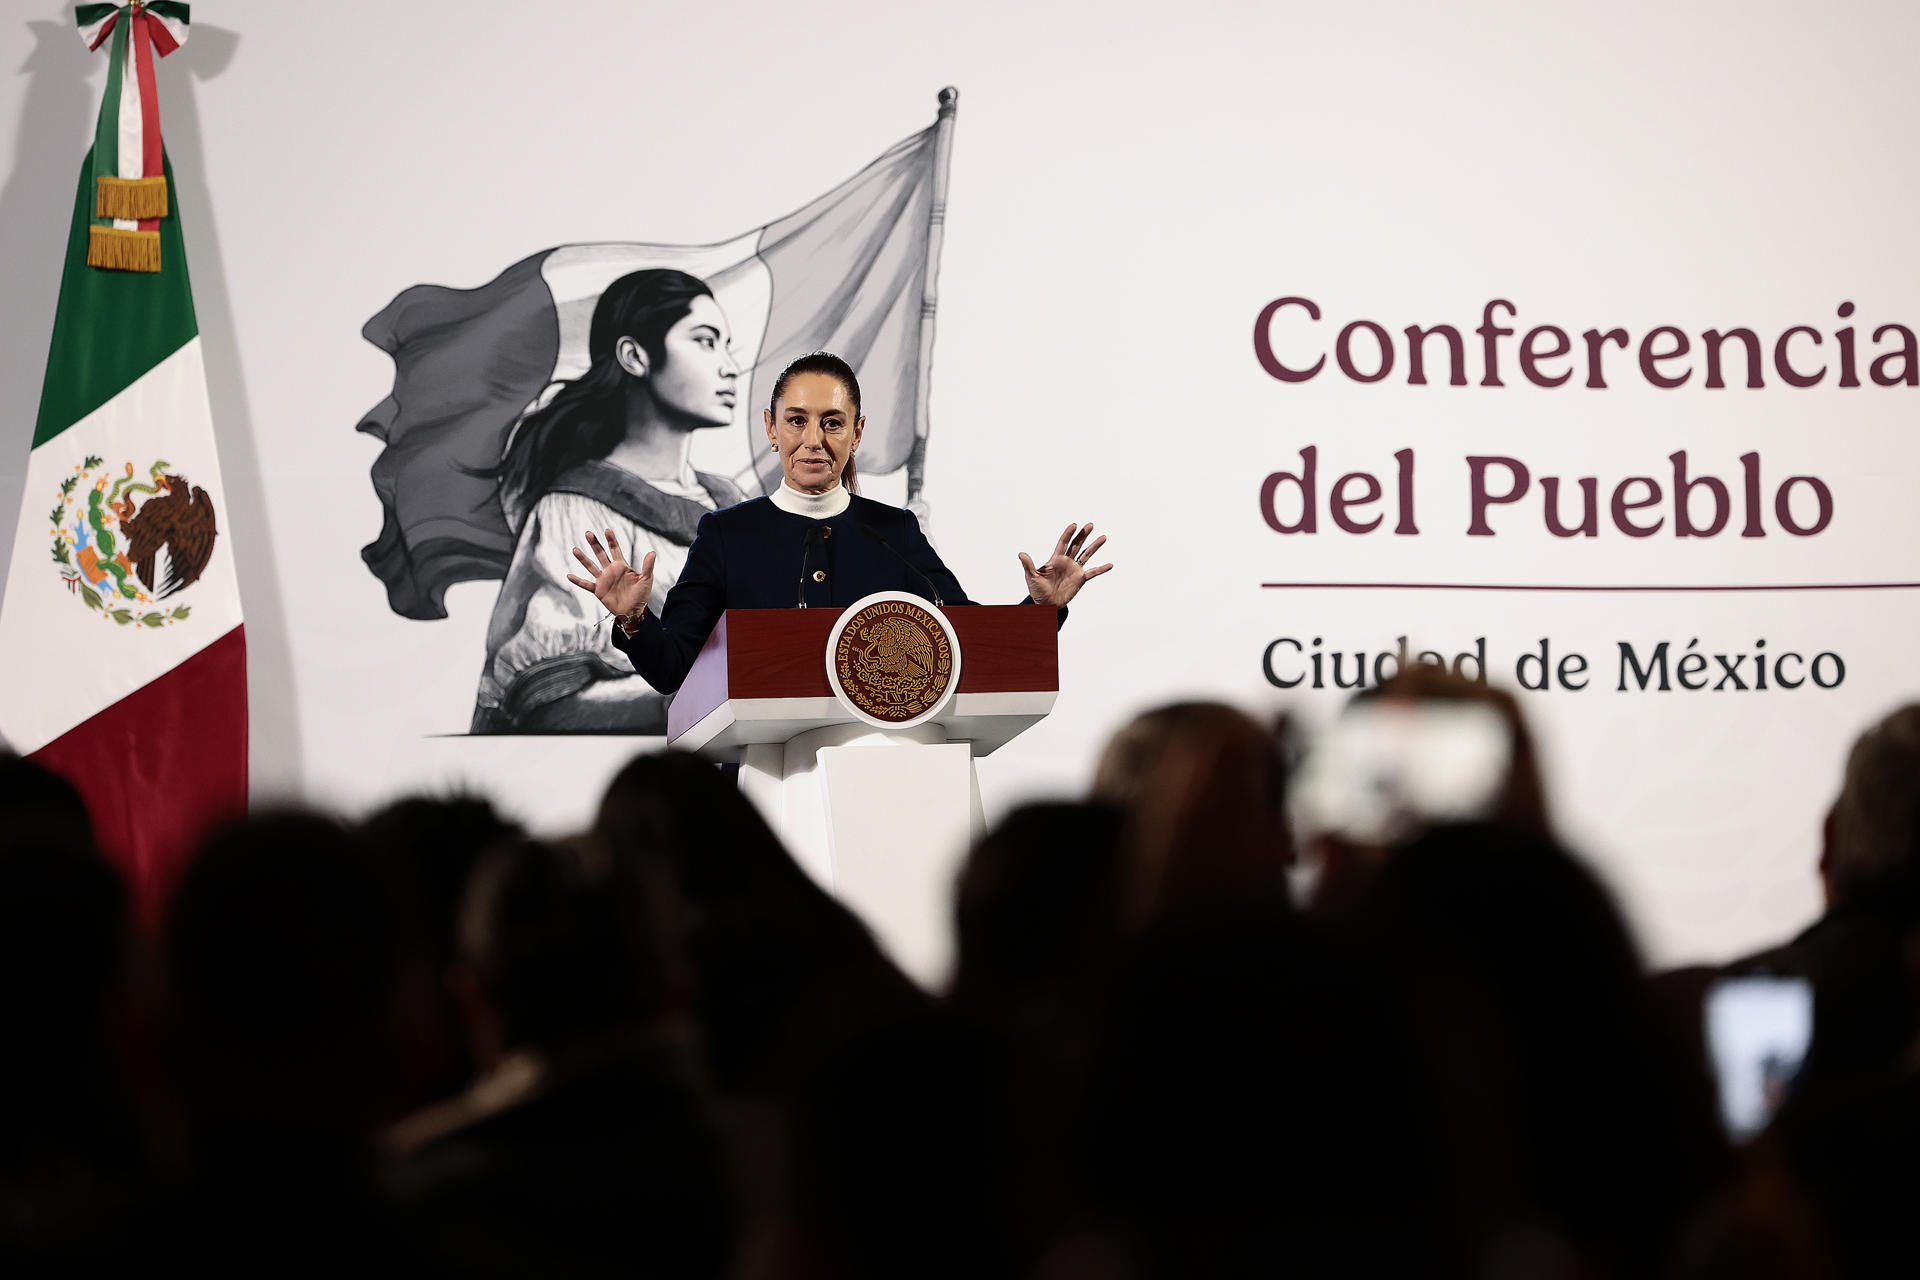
x: 812, y: 543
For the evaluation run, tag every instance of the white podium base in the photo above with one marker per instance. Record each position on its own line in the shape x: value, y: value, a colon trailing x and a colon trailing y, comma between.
x: 882, y: 819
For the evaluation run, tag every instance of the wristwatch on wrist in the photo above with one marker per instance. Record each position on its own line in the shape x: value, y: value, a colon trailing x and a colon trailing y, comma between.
x: 629, y: 622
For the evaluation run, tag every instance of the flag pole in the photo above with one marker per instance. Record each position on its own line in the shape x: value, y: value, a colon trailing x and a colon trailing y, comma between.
x: 936, y: 232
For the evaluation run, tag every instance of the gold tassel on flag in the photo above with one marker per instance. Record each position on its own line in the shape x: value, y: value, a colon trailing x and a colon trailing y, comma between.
x: 130, y: 198
x: 119, y: 249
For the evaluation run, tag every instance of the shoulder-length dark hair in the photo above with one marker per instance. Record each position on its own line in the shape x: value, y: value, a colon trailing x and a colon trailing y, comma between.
x: 587, y: 418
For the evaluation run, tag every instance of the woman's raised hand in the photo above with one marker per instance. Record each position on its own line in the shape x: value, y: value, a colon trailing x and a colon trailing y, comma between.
x: 1065, y: 572
x: 615, y: 583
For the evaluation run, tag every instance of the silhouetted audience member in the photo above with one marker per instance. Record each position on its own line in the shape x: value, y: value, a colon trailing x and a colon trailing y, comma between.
x: 1581, y: 1143
x: 1521, y: 802
x: 585, y: 1147
x: 894, y: 1154
x: 1870, y: 874
x: 427, y: 848
x: 774, y: 966
x: 1037, y: 906
x: 1851, y: 1126
x: 1344, y: 850
x: 769, y: 952
x: 1203, y: 787
x: 72, y: 1157
x: 1038, y: 927
x: 1852, y: 1146
x: 35, y: 798
x: 1253, y: 1110
x: 279, y: 964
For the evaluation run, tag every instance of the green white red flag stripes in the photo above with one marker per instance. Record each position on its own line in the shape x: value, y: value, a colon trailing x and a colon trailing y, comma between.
x: 120, y: 631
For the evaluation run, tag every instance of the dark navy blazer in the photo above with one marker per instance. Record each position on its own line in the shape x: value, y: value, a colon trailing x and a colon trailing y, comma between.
x: 756, y: 556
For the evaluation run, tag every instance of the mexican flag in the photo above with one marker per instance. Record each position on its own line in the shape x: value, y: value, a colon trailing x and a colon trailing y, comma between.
x: 120, y: 629
x: 851, y: 272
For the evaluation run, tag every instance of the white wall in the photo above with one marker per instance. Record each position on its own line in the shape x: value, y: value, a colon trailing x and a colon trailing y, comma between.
x: 1130, y: 184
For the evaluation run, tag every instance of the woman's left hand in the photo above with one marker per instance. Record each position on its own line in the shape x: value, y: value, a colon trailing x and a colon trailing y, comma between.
x: 1065, y: 572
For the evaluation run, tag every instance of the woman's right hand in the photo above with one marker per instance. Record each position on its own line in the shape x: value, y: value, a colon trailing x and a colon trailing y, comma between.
x: 615, y: 583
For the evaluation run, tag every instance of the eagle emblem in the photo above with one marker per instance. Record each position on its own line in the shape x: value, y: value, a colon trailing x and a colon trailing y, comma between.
x: 892, y: 659
x: 126, y: 543
x: 896, y: 654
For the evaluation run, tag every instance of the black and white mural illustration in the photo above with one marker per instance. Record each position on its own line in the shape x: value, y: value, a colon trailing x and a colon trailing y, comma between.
x: 571, y: 391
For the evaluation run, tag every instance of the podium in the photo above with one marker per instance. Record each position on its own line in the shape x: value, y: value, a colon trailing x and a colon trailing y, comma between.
x: 855, y: 753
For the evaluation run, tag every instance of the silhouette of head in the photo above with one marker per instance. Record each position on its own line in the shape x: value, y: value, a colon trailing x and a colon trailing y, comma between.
x: 1037, y: 902
x: 1872, y: 857
x: 555, y: 959
x: 279, y: 956
x: 1203, y: 786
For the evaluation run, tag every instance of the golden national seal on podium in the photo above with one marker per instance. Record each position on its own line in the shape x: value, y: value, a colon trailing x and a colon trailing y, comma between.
x: 893, y: 659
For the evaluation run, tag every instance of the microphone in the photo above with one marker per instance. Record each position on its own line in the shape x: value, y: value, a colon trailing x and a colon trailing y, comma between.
x: 918, y: 572
x: 806, y: 557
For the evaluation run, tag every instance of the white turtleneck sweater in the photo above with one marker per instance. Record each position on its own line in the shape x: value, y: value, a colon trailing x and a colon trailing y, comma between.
x: 814, y: 506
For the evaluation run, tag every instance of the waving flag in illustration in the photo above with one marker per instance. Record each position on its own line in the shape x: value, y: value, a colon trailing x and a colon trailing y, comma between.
x: 852, y: 272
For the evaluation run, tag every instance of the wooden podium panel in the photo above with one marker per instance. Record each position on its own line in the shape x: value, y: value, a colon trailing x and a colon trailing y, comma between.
x: 761, y: 677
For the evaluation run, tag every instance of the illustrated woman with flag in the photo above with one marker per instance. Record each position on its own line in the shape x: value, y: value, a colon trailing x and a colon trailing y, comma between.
x: 811, y: 542
x: 610, y: 450
x: 475, y: 486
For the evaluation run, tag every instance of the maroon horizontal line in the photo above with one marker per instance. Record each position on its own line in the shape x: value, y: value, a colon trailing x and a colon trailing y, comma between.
x: 1529, y: 586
